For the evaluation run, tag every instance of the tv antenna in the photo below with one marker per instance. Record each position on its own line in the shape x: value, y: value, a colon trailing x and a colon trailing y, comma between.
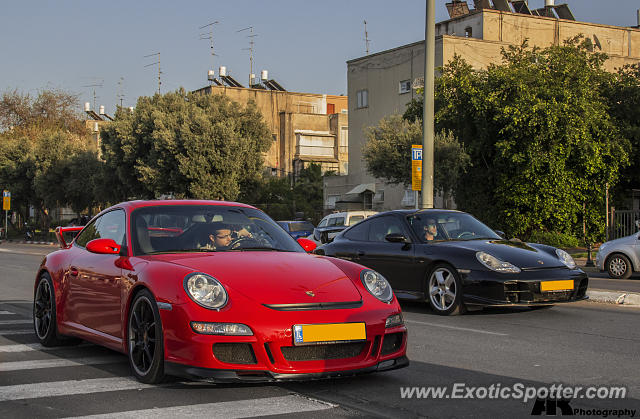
x: 158, y: 63
x: 93, y: 85
x: 251, y: 44
x: 120, y: 94
x: 209, y: 36
x: 366, y: 37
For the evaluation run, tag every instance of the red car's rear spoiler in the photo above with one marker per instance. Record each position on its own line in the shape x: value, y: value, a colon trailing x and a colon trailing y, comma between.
x: 60, y: 235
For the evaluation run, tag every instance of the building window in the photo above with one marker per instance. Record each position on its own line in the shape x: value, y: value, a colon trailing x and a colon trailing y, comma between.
x: 405, y: 86
x: 344, y: 140
x: 409, y: 199
x: 468, y: 32
x: 363, y: 98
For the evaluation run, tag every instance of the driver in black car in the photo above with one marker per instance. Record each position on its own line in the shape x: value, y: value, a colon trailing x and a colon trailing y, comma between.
x: 222, y: 236
x: 430, y: 230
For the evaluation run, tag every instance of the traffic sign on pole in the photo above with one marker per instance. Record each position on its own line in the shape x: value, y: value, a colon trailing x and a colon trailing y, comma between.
x: 416, y: 167
x: 6, y: 200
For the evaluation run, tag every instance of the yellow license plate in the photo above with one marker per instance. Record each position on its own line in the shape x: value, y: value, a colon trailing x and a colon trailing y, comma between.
x: 304, y: 334
x: 556, y: 285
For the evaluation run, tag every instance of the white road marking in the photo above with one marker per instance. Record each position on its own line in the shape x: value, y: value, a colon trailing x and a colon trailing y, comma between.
x: 68, y: 388
x: 59, y: 362
x: 6, y: 312
x: 456, y: 328
x: 32, y: 347
x: 22, y: 321
x: 16, y: 332
x: 232, y: 409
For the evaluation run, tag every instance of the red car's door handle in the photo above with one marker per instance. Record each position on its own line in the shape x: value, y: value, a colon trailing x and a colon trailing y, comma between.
x: 73, y: 272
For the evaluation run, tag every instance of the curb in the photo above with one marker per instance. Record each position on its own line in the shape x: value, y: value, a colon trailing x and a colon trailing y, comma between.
x: 27, y: 242
x: 614, y: 297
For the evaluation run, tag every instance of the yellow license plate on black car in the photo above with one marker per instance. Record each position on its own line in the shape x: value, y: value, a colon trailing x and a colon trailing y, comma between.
x: 311, y: 334
x: 556, y: 285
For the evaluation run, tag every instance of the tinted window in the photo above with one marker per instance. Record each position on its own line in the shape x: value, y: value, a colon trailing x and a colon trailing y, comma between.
x: 380, y: 227
x: 108, y: 226
x: 336, y: 221
x: 301, y: 226
x: 284, y: 225
x: 358, y: 233
x: 449, y: 226
x: 249, y: 229
x: 356, y: 218
x: 323, y: 222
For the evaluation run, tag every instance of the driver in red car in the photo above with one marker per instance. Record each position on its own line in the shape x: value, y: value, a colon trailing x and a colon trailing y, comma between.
x: 222, y: 236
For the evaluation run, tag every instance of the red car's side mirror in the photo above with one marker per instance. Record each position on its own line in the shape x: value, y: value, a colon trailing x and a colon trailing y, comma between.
x: 308, y: 245
x: 103, y: 246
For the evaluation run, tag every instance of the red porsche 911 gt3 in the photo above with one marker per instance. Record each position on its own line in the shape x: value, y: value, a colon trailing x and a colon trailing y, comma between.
x: 215, y: 291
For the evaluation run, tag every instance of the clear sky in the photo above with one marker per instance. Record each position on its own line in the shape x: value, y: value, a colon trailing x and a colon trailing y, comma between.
x: 304, y: 44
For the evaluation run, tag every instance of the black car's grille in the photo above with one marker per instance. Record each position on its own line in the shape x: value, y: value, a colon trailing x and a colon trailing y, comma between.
x: 391, y: 343
x: 323, y: 352
x: 529, y: 292
x: 234, y: 353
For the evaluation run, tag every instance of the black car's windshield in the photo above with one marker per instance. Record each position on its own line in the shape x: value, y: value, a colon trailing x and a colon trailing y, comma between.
x: 206, y: 228
x: 433, y: 226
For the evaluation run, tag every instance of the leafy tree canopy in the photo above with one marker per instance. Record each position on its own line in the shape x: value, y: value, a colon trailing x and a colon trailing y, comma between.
x: 193, y: 146
x: 543, y: 144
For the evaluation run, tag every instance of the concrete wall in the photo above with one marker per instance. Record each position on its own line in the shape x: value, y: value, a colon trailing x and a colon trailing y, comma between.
x: 285, y: 112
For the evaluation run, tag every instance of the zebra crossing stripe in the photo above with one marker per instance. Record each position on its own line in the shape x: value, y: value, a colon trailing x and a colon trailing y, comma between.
x: 68, y: 388
x: 6, y: 312
x: 17, y: 332
x: 21, y: 321
x: 232, y: 409
x: 59, y: 362
x: 26, y: 347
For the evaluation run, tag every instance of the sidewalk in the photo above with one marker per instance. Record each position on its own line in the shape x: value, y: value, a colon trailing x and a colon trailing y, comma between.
x: 607, y: 296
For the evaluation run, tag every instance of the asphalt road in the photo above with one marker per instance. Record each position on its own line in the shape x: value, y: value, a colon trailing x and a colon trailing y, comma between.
x: 581, y: 344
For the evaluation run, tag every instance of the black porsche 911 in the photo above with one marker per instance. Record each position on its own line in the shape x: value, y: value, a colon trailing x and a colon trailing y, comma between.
x: 452, y: 260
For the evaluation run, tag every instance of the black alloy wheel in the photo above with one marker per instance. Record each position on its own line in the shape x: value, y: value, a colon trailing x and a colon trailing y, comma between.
x: 619, y: 266
x: 444, y: 290
x: 44, y: 315
x: 145, y: 343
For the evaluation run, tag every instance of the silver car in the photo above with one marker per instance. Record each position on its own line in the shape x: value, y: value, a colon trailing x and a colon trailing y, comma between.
x: 620, y: 257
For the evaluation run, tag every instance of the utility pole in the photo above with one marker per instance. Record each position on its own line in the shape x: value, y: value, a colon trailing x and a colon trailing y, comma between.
x: 210, y: 37
x: 251, y: 44
x: 120, y: 90
x: 94, y: 85
x: 427, y: 111
x: 366, y: 37
x: 159, y: 71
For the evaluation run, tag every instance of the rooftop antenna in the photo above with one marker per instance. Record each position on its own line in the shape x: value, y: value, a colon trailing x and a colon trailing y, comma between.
x: 94, y: 85
x: 366, y: 37
x: 209, y: 36
x: 251, y: 44
x: 120, y: 94
x: 158, y: 63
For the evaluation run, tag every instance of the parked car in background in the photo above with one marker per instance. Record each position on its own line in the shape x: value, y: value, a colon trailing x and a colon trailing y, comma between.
x: 297, y: 228
x: 620, y: 257
x: 332, y: 224
x: 452, y: 260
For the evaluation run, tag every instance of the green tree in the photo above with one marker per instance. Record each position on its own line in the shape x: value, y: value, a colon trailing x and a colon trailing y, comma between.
x: 540, y: 137
x: 40, y: 139
x: 387, y: 153
x: 194, y: 146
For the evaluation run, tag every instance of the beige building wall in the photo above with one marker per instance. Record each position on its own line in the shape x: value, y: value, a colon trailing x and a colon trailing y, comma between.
x: 293, y: 117
x: 489, y: 31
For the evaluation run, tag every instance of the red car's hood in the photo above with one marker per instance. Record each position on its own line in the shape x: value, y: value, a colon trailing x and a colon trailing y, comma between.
x: 274, y: 277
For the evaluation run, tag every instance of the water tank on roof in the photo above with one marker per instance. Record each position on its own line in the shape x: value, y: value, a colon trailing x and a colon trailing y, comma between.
x: 223, y: 71
x: 211, y: 75
x: 87, y: 106
x: 264, y: 75
x: 101, y: 110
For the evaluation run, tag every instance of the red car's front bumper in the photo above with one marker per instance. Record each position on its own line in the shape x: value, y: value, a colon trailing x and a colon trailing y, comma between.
x: 270, y: 354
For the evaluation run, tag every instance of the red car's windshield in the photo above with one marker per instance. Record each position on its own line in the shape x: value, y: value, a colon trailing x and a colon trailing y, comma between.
x: 205, y: 228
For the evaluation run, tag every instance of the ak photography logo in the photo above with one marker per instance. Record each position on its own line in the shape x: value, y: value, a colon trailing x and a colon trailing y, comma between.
x: 562, y: 407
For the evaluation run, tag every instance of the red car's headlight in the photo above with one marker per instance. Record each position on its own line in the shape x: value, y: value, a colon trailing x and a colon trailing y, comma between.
x: 377, y: 285
x: 205, y: 290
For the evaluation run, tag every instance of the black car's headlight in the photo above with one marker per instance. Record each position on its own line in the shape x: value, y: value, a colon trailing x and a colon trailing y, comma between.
x: 205, y: 290
x: 566, y: 258
x: 377, y: 285
x: 496, y: 264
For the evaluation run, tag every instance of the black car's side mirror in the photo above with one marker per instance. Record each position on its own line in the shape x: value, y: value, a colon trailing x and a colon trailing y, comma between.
x: 500, y: 233
x: 395, y: 238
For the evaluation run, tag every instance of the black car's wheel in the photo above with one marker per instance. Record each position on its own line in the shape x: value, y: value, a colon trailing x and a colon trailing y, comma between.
x: 444, y: 290
x: 619, y: 266
x: 145, y: 344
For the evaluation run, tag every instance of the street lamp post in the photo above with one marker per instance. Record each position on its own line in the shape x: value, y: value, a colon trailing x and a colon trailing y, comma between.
x: 427, y: 107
